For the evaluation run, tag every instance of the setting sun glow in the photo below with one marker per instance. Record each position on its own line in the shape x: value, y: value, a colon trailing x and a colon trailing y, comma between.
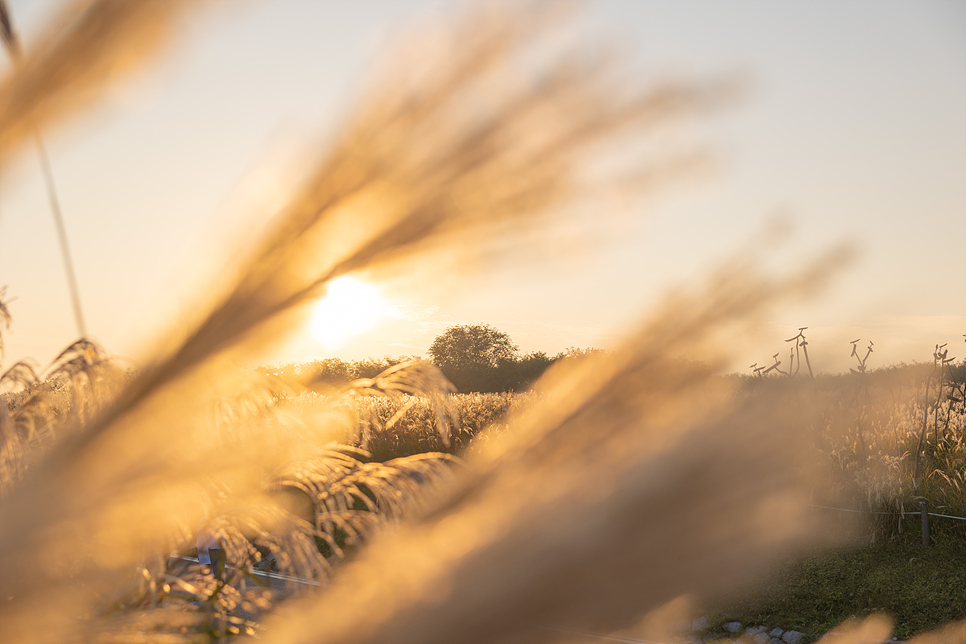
x: 350, y: 307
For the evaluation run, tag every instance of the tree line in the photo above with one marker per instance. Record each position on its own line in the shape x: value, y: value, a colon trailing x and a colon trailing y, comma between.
x: 475, y: 358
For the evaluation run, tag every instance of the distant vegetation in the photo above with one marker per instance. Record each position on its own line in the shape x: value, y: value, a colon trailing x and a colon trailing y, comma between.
x: 895, y: 434
x: 475, y: 358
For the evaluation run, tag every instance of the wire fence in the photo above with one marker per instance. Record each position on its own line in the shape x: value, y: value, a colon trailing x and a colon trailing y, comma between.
x: 597, y: 637
x: 259, y: 573
x: 902, y: 512
x: 923, y: 514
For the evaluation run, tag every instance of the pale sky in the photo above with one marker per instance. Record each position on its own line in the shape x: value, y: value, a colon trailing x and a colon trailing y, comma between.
x: 854, y: 128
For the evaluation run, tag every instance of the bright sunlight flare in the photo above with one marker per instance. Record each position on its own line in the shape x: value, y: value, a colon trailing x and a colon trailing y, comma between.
x: 350, y: 307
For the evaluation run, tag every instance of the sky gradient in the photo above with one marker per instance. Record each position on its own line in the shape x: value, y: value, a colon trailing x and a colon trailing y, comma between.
x: 853, y: 129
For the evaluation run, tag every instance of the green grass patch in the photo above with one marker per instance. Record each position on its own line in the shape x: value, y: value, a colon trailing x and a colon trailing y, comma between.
x: 921, y: 589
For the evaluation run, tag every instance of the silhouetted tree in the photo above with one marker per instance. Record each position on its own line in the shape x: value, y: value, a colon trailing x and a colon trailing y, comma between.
x: 471, y: 356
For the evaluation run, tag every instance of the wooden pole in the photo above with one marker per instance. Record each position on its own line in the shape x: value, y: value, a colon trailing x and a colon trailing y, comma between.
x: 925, y: 523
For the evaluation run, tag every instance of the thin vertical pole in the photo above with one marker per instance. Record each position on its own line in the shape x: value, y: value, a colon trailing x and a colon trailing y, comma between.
x: 62, y: 236
x: 925, y: 523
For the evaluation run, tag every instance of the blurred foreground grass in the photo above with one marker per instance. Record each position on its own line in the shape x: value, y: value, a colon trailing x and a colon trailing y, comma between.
x: 632, y: 480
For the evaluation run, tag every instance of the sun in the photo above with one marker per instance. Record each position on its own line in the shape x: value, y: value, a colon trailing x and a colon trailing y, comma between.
x: 350, y: 307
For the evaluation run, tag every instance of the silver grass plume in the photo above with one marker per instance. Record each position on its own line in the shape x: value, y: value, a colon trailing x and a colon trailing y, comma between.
x: 610, y: 484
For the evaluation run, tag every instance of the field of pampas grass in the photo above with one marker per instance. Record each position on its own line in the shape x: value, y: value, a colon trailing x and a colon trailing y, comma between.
x: 630, y: 482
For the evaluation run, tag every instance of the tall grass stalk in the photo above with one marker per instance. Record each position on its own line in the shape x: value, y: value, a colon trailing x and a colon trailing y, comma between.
x: 633, y: 480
